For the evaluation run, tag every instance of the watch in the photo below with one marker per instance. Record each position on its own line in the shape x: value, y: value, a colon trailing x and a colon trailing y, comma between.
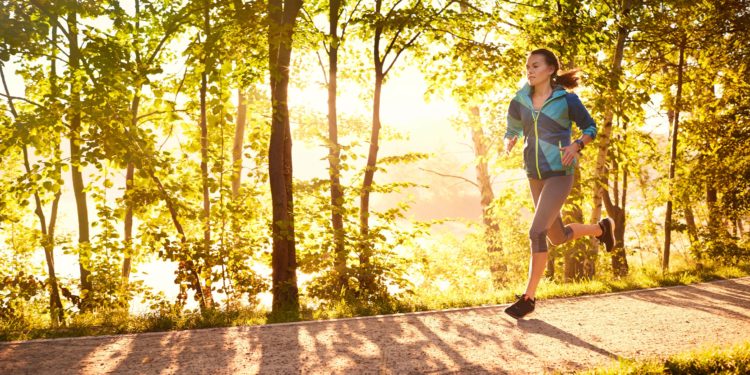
x: 580, y: 144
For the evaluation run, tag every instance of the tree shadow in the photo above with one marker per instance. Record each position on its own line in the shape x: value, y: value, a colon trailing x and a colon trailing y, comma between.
x: 375, y: 345
x: 693, y: 297
x: 34, y: 357
x: 193, y: 351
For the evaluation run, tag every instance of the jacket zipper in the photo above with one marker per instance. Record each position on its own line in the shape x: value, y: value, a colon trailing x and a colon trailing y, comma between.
x: 536, y: 131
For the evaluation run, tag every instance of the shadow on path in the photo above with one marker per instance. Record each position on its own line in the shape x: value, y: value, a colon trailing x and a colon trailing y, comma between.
x: 540, y: 327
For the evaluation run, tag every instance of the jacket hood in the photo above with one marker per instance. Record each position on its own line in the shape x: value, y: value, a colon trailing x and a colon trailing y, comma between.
x: 557, y: 90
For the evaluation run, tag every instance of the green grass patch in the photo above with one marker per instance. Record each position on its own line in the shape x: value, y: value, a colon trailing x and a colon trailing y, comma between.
x: 119, y: 322
x: 642, y: 278
x: 714, y: 360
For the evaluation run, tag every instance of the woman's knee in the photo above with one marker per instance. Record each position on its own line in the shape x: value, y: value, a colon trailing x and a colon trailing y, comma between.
x: 561, y: 236
x: 538, y: 239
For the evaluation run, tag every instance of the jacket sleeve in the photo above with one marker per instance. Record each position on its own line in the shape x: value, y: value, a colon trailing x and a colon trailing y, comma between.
x: 578, y: 113
x: 515, y: 126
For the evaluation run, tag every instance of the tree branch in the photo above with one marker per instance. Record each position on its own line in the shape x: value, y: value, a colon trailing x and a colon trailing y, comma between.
x: 322, y: 67
x: 158, y: 113
x: 23, y: 100
x: 407, y: 45
x: 7, y: 94
x: 451, y: 176
x: 344, y: 25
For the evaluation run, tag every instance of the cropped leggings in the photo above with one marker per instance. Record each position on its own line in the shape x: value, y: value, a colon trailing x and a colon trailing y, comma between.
x: 549, y: 195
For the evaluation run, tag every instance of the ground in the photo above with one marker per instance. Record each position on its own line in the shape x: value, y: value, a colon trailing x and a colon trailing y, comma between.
x: 562, y: 335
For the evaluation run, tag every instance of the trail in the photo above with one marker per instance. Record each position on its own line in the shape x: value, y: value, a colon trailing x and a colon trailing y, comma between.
x: 563, y: 334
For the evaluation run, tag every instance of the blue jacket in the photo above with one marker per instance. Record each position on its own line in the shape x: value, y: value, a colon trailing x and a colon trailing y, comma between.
x: 547, y: 130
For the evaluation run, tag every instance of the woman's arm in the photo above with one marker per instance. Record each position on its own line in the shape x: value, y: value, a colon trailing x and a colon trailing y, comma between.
x: 515, y: 126
x: 580, y: 115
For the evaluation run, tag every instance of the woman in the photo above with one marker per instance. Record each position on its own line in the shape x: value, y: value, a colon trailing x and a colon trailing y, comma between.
x: 543, y: 111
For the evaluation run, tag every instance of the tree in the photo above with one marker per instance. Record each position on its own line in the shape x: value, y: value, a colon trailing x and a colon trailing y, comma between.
x: 76, y: 163
x: 282, y: 19
x: 332, y: 41
x: 398, y: 29
x: 601, y: 190
x: 668, y: 37
x: 57, y: 313
x: 476, y: 70
x: 151, y: 29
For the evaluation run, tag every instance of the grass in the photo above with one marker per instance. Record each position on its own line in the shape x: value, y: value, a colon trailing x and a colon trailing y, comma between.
x: 118, y: 322
x: 715, y: 360
x: 642, y: 278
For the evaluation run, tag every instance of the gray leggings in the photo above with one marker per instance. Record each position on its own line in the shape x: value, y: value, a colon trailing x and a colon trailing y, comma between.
x: 549, y: 195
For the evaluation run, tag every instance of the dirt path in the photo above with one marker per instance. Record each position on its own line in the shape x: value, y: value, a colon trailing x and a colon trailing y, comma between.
x: 563, y: 334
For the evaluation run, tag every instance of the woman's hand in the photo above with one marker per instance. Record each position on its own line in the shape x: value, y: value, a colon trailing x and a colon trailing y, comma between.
x: 509, y: 143
x: 570, y: 153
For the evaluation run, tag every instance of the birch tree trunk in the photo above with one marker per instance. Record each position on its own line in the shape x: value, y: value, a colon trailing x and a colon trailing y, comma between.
x: 605, y: 134
x: 484, y: 183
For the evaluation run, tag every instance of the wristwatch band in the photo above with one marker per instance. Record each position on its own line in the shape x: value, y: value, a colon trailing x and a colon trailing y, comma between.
x: 580, y: 144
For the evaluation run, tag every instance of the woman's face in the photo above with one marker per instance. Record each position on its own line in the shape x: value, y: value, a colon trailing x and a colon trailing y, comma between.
x: 537, y: 70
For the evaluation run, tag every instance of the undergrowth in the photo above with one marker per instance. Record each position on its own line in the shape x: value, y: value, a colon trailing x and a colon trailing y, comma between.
x: 714, y: 360
x: 120, y: 321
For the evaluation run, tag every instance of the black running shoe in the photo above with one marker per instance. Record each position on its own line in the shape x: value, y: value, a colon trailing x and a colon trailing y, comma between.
x: 608, y: 233
x: 521, y: 308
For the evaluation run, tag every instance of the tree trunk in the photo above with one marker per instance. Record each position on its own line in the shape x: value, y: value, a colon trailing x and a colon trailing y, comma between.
x: 616, y: 210
x: 713, y: 215
x: 239, y: 139
x: 129, y: 180
x: 56, y: 308
x: 57, y: 314
x: 491, y: 227
x: 372, y: 157
x: 673, y: 159
x: 74, y: 119
x: 605, y: 134
x: 187, y: 266
x: 128, y: 235
x: 619, y: 258
x: 364, y: 213
x: 576, y: 254
x: 334, y: 149
x: 283, y: 15
x: 206, y: 216
x: 692, y: 228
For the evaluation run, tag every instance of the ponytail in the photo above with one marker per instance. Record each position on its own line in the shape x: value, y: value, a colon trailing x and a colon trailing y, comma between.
x: 568, y: 79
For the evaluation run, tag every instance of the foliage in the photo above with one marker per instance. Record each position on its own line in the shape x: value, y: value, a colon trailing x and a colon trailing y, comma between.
x: 139, y: 79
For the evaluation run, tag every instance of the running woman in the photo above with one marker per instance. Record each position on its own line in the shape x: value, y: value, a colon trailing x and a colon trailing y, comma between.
x: 543, y: 112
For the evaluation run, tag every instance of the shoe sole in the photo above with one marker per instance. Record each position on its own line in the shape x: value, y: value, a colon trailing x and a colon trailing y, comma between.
x: 517, y: 317
x: 611, y: 232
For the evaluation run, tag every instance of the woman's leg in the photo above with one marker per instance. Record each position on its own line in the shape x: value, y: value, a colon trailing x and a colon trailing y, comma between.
x: 548, y: 202
x: 581, y: 230
x: 559, y: 234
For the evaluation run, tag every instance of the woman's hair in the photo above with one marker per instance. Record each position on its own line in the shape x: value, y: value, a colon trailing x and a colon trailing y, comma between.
x: 568, y: 79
